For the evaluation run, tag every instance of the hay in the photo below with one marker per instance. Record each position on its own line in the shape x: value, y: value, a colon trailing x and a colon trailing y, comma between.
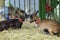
x: 27, y: 32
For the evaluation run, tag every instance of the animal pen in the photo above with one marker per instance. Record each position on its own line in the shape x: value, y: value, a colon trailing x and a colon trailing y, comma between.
x: 28, y: 5
x: 28, y: 31
x: 52, y: 6
x: 32, y: 5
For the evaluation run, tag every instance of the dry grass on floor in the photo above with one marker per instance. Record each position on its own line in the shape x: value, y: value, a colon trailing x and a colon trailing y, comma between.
x: 27, y: 32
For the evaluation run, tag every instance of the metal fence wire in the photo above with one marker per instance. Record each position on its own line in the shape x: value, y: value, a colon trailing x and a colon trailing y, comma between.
x: 28, y: 5
x: 48, y: 9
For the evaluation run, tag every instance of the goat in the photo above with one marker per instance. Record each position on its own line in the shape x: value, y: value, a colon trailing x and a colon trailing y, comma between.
x: 47, y: 25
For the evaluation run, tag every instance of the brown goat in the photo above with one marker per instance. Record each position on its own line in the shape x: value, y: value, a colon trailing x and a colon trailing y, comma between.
x: 46, y: 25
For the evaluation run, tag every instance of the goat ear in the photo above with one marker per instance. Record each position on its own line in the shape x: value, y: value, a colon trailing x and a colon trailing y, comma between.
x: 36, y: 12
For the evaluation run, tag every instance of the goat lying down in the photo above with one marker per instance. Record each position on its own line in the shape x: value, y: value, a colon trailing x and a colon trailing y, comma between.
x: 51, y: 26
x: 14, y: 23
x: 47, y: 25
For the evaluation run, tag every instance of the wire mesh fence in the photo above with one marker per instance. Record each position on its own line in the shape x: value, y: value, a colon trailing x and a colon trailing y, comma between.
x: 47, y: 8
x: 28, y: 5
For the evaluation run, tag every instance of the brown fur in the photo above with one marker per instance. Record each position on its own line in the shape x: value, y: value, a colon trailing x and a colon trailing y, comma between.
x: 11, y: 12
x: 15, y: 13
x: 51, y: 25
